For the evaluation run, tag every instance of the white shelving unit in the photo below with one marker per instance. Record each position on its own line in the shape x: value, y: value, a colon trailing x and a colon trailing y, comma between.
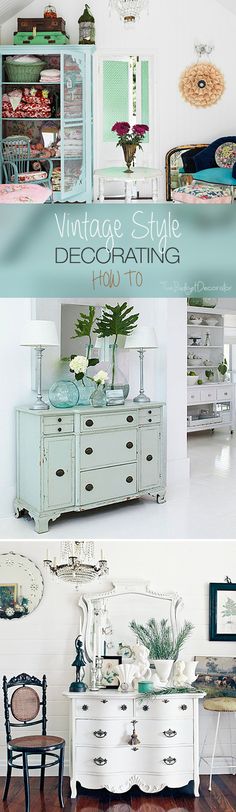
x: 210, y: 404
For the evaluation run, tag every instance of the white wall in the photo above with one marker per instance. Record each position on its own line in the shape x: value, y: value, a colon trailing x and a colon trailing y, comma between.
x: 44, y: 641
x: 169, y: 32
x: 15, y: 389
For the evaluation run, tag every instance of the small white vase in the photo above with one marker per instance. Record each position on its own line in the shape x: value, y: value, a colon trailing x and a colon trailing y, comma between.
x: 126, y: 674
x: 190, y: 671
x: 163, y: 669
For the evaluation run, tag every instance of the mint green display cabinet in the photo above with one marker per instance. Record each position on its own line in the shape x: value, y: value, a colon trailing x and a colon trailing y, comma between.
x: 82, y: 458
x: 68, y: 131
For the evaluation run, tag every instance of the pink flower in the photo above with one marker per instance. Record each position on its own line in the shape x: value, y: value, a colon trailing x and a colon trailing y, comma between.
x: 121, y: 128
x: 140, y: 129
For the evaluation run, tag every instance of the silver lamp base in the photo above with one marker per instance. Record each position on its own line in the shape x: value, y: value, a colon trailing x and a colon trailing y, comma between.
x: 40, y: 405
x: 141, y: 398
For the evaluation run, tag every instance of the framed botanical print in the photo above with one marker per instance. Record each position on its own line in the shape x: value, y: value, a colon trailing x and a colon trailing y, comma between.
x: 222, y: 614
x: 109, y: 674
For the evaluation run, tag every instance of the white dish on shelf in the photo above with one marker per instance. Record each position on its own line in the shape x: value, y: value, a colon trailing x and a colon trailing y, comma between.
x: 211, y: 321
x: 192, y: 380
x: 193, y: 319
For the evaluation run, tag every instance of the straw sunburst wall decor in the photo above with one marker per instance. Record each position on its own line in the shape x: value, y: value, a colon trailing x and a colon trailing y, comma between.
x: 202, y: 84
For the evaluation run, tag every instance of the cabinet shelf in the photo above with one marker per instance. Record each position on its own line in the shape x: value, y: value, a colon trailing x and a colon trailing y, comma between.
x: 203, y: 347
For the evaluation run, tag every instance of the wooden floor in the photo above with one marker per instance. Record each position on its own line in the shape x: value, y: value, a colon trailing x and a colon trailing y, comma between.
x: 221, y: 799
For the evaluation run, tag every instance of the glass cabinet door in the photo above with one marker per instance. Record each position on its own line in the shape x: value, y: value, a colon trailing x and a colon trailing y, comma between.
x: 73, y: 170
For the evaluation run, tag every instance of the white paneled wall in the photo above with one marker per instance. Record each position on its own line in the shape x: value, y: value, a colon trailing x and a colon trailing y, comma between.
x: 44, y: 642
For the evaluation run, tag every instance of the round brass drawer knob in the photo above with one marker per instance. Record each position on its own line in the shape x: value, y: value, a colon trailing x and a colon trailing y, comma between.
x: 123, y: 707
x: 149, y: 457
x: 150, y: 420
x: 89, y: 422
x: 129, y: 445
x: 89, y: 487
x: 129, y: 418
x: 59, y: 429
x: 59, y: 419
x: 145, y: 707
x: 183, y: 707
x: 84, y: 707
x: 129, y: 479
x: 60, y: 472
x: 89, y: 451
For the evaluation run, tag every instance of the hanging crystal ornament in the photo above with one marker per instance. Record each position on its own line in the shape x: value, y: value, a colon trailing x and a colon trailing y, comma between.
x: 129, y: 10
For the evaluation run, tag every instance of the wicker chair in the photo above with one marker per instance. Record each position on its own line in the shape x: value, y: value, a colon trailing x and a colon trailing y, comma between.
x: 24, y: 706
x: 15, y: 156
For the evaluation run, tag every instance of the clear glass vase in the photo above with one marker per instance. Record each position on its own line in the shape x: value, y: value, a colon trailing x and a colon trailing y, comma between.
x: 86, y: 387
x: 98, y: 397
x: 116, y: 378
x: 63, y: 395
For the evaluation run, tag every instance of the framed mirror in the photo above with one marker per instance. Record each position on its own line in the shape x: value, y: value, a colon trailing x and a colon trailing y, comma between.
x: 21, y: 586
x: 175, y: 175
x: 121, y: 603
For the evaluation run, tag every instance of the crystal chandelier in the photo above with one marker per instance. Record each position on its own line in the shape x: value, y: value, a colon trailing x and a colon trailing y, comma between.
x: 129, y: 10
x: 77, y: 563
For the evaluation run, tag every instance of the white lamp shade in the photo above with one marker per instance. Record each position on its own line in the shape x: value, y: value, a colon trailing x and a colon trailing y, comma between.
x: 39, y: 333
x: 144, y: 337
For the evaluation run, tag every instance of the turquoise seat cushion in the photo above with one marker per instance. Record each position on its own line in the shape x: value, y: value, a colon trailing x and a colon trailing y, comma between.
x: 216, y: 175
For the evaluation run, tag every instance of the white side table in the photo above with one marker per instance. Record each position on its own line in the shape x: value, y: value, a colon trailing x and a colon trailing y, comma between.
x: 139, y: 174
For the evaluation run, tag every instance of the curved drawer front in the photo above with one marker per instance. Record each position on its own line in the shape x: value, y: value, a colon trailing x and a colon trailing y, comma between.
x: 107, y: 483
x: 104, y: 733
x: 108, y: 448
x: 61, y: 424
x: 116, y: 733
x: 149, y: 416
x: 94, y: 422
x: 166, y: 708
x: 104, y: 708
x: 165, y: 761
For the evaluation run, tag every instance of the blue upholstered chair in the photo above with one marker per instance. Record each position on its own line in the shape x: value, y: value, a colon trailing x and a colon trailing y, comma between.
x: 15, y: 156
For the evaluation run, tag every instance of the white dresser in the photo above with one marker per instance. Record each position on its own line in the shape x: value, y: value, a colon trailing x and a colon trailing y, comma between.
x: 101, y: 726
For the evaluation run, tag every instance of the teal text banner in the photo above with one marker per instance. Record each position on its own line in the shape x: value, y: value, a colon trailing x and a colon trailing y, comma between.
x: 138, y: 250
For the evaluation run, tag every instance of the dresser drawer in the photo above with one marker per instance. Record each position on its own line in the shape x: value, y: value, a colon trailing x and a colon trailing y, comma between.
x: 193, y: 395
x: 108, y: 483
x: 63, y: 424
x: 166, y: 708
x: 208, y: 394
x: 224, y: 392
x: 109, y: 448
x: 104, y: 708
x: 114, y: 733
x: 164, y: 761
x: 148, y: 416
x: 105, y: 733
x: 108, y: 420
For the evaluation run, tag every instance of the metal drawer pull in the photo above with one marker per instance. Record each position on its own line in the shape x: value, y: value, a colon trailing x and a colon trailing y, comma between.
x: 60, y: 472
x: 170, y: 733
x: 149, y: 411
x: 129, y: 445
x: 129, y: 479
x: 59, y: 419
x: 89, y: 422
x: 129, y: 418
x: 100, y: 734
x: 84, y: 707
x: 58, y: 429
x: 149, y: 457
x: 184, y: 707
x: 123, y: 707
x: 89, y: 451
x: 104, y: 701
x: 166, y: 701
x: 145, y: 707
x: 100, y: 761
x: 89, y: 487
x: 169, y: 760
x: 150, y: 420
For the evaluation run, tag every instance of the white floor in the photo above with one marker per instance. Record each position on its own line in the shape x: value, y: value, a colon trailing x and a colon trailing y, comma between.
x: 204, y: 507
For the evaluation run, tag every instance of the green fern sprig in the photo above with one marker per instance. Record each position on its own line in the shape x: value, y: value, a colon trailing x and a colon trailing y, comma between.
x: 158, y: 638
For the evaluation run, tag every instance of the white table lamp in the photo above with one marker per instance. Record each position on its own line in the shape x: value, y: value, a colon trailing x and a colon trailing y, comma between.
x: 143, y: 338
x: 39, y: 334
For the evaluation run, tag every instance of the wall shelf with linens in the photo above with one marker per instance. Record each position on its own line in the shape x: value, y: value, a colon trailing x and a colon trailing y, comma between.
x: 210, y: 395
x: 51, y: 103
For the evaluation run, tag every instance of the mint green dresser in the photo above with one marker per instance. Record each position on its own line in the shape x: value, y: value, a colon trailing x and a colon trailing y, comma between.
x: 82, y: 458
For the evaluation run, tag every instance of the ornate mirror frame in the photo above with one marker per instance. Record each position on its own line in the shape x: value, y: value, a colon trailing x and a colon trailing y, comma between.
x: 169, y: 155
x: 119, y: 588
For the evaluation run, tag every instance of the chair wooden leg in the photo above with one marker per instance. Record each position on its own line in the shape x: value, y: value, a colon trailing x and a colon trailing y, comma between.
x: 42, y: 775
x: 8, y: 779
x: 26, y: 782
x: 60, y: 777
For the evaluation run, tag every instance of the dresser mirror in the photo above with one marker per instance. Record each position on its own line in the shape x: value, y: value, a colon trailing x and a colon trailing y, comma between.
x: 21, y: 586
x: 122, y: 602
